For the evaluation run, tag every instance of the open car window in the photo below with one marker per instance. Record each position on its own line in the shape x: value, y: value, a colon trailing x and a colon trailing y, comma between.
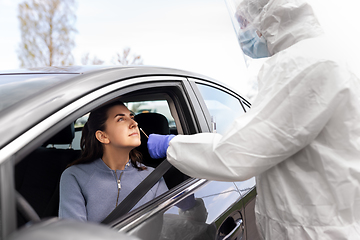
x: 37, y: 176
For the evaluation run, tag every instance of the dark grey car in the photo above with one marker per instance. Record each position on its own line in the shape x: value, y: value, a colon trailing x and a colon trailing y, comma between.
x: 42, y: 112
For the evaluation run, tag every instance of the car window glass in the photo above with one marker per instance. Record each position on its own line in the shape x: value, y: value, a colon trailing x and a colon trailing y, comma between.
x: 75, y: 144
x: 79, y: 124
x: 157, y: 106
x: 223, y: 107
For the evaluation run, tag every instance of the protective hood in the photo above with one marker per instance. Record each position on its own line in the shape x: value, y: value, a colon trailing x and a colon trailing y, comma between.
x: 282, y: 23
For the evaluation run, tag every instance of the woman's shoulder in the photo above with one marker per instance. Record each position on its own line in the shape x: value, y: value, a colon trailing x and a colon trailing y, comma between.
x: 79, y: 170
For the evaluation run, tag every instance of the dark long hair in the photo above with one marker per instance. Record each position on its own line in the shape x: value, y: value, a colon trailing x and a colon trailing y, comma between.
x: 91, y: 148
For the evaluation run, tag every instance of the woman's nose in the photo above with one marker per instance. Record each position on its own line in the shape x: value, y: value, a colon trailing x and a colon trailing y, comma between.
x: 133, y: 123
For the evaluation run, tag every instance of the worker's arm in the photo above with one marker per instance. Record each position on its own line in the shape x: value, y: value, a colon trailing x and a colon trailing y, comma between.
x: 288, y: 115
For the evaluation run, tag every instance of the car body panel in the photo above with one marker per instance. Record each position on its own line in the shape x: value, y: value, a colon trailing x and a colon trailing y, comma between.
x: 77, y: 90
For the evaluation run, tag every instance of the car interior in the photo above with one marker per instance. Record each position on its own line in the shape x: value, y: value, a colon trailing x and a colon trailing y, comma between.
x: 37, y: 176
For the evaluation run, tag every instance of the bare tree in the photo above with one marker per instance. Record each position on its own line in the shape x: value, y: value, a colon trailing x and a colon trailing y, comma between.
x: 47, y: 32
x: 125, y: 59
x: 85, y: 60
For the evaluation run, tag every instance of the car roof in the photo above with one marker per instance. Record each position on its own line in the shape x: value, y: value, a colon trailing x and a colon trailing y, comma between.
x: 54, y: 69
x: 95, y: 68
x: 26, y: 91
x: 23, y: 84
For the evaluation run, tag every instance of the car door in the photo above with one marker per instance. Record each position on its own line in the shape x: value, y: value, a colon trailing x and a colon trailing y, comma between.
x: 170, y: 88
x: 189, y: 118
x: 217, y: 204
x: 218, y: 212
x: 222, y: 106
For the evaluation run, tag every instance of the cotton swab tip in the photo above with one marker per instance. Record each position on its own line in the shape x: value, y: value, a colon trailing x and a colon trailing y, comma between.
x: 143, y: 132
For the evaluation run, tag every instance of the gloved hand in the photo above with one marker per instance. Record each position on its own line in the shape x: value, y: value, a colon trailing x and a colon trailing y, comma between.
x: 158, y: 145
x: 187, y: 203
x: 196, y: 213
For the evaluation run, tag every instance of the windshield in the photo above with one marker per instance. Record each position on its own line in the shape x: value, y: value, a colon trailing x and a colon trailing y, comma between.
x: 15, y: 88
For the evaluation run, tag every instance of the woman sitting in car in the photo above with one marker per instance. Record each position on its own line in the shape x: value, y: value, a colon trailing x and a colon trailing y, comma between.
x: 109, y: 167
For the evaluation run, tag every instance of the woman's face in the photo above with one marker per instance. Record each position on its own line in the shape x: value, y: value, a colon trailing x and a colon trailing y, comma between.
x: 121, y: 129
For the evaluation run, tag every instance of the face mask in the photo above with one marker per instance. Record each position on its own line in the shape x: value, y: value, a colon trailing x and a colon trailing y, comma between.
x: 253, y: 45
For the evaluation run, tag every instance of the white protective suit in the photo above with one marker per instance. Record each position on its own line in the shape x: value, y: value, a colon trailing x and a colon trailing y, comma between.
x: 301, y: 139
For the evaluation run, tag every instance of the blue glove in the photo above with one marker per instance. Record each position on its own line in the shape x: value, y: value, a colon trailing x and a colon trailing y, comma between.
x: 187, y: 203
x: 158, y: 145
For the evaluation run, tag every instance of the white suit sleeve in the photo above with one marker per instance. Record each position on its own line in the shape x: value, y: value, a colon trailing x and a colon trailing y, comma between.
x: 288, y: 114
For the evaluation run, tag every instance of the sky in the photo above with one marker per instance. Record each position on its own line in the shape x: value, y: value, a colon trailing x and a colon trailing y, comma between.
x: 193, y: 35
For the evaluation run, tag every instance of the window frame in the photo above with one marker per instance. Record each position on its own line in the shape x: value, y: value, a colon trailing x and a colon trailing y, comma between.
x: 23, y: 145
x: 205, y: 110
x: 7, y: 199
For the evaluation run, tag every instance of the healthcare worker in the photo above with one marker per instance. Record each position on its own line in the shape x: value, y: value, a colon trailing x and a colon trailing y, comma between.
x: 301, y: 139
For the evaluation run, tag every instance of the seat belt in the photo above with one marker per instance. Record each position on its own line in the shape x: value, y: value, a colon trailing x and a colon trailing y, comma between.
x: 134, y: 197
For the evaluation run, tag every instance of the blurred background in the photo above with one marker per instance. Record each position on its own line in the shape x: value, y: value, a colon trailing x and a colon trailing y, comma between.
x: 193, y: 35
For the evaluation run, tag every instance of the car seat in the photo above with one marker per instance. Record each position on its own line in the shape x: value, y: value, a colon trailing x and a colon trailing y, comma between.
x: 37, y: 176
x: 156, y: 123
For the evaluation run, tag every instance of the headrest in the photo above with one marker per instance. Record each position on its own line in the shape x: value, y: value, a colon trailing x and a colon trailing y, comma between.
x: 153, y: 123
x: 65, y: 136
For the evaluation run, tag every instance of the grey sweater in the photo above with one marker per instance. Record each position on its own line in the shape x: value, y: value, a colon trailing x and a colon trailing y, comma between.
x: 89, y: 192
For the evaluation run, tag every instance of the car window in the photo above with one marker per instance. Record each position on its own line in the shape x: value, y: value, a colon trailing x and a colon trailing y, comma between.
x: 46, y: 163
x: 223, y: 107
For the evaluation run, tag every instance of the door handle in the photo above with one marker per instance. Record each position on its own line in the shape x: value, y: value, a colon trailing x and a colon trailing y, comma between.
x: 238, y: 225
